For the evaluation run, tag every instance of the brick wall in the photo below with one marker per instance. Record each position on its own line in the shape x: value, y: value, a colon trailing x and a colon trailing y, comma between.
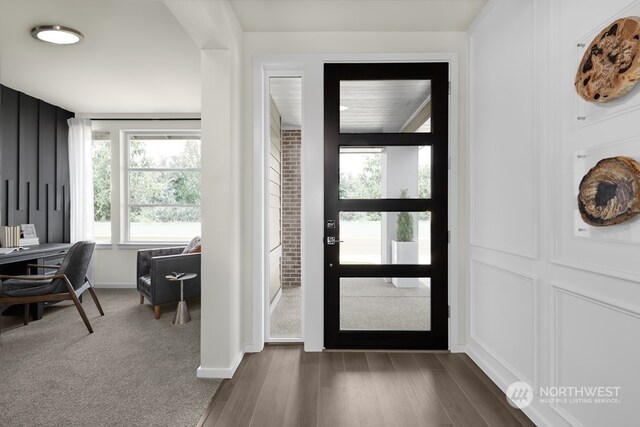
x: 291, y: 191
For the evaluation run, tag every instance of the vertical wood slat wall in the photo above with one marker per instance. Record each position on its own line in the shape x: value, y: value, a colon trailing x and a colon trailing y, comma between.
x: 34, y: 165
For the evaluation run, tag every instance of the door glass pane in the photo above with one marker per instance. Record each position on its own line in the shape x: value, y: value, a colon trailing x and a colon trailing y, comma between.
x: 387, y: 304
x: 385, y: 106
x: 385, y: 172
x: 385, y: 237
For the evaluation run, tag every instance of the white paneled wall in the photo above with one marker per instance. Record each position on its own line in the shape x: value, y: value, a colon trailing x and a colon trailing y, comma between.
x: 550, y: 305
x: 502, y: 141
x: 506, y: 331
x: 585, y: 351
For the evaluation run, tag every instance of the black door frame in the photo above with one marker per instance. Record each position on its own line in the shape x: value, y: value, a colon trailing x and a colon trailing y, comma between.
x: 437, y: 337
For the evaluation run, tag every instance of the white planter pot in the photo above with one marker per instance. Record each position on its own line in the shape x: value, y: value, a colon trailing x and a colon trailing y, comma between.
x: 404, y: 253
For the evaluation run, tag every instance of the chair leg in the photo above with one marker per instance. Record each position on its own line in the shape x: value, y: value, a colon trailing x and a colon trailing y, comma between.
x: 156, y: 310
x: 72, y: 293
x: 95, y: 300
x: 141, y: 299
x: 26, y: 314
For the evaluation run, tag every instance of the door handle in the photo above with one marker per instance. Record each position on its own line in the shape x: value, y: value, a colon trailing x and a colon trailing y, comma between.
x: 332, y: 241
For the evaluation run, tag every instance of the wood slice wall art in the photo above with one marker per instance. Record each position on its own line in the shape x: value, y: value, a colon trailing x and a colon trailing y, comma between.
x: 610, y: 66
x: 610, y: 192
x: 34, y: 165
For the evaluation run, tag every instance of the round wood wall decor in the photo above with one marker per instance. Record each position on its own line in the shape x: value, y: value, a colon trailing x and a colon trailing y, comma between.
x: 611, y: 64
x: 610, y: 192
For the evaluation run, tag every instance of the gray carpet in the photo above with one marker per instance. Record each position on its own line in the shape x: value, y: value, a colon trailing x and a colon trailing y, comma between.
x: 132, y: 371
x: 365, y: 304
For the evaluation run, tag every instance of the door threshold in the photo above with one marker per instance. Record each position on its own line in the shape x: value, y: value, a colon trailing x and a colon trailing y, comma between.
x: 280, y: 341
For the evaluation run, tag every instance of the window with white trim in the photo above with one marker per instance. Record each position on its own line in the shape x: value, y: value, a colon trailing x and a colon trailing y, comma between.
x: 162, y: 186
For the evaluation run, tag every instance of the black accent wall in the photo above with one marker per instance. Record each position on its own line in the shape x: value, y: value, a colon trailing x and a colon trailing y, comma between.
x: 34, y: 165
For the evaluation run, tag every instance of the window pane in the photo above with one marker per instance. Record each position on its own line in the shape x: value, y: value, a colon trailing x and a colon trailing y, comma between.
x: 101, y: 149
x: 384, y: 172
x: 164, y: 188
x: 385, y: 304
x: 385, y: 106
x: 385, y: 237
x: 163, y: 224
x: 164, y: 170
x: 164, y: 153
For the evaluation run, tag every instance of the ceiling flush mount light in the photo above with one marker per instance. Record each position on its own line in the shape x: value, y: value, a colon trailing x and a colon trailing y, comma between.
x: 56, y: 34
x: 343, y: 108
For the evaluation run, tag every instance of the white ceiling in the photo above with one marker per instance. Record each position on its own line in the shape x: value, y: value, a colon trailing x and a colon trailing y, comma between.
x: 287, y: 95
x: 356, y: 15
x: 137, y: 58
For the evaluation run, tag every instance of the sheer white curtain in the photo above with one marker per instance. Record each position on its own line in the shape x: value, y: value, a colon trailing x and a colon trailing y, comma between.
x: 81, y: 179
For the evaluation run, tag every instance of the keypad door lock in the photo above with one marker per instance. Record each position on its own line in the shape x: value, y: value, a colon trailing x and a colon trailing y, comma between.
x: 331, y: 241
x: 331, y: 224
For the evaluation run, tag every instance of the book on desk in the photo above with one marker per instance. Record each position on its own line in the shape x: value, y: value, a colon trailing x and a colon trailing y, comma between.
x: 5, y: 251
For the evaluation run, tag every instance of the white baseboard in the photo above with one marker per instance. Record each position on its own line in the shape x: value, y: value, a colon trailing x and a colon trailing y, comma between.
x: 457, y: 348
x: 220, y: 372
x: 250, y: 348
x: 114, y: 285
x: 533, y: 411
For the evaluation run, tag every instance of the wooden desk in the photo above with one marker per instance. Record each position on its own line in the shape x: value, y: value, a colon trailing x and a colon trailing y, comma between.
x: 15, y: 263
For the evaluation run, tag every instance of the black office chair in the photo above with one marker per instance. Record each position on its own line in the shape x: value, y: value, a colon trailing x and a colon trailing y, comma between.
x: 67, y: 283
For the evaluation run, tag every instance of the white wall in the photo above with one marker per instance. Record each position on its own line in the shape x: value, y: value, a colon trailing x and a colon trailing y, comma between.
x: 548, y: 307
x: 215, y: 29
x: 222, y: 230
x: 289, y: 45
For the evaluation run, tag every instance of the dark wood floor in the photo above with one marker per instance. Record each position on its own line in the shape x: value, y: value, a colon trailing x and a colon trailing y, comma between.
x: 284, y: 386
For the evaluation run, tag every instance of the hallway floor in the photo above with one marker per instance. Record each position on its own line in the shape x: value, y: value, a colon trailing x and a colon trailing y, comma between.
x: 284, y: 386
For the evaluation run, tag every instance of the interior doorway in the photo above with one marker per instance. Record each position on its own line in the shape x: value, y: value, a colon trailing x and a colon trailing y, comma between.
x: 283, y: 216
x: 386, y: 205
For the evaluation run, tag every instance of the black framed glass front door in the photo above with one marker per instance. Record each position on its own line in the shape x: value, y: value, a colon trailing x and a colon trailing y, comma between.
x: 386, y: 238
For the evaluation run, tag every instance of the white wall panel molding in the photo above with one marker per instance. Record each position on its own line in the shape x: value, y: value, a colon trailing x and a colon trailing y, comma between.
x: 516, y: 221
x: 625, y: 313
x: 595, y: 268
x: 527, y: 370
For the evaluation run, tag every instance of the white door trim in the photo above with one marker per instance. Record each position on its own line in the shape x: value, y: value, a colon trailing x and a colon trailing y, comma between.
x: 310, y: 67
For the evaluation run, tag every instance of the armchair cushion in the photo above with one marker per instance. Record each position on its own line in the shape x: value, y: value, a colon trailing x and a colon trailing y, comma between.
x: 26, y: 288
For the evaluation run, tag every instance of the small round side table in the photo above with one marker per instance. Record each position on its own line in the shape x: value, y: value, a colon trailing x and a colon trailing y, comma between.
x: 182, y: 312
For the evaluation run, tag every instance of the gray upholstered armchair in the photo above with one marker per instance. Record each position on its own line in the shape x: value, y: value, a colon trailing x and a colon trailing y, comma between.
x: 153, y: 265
